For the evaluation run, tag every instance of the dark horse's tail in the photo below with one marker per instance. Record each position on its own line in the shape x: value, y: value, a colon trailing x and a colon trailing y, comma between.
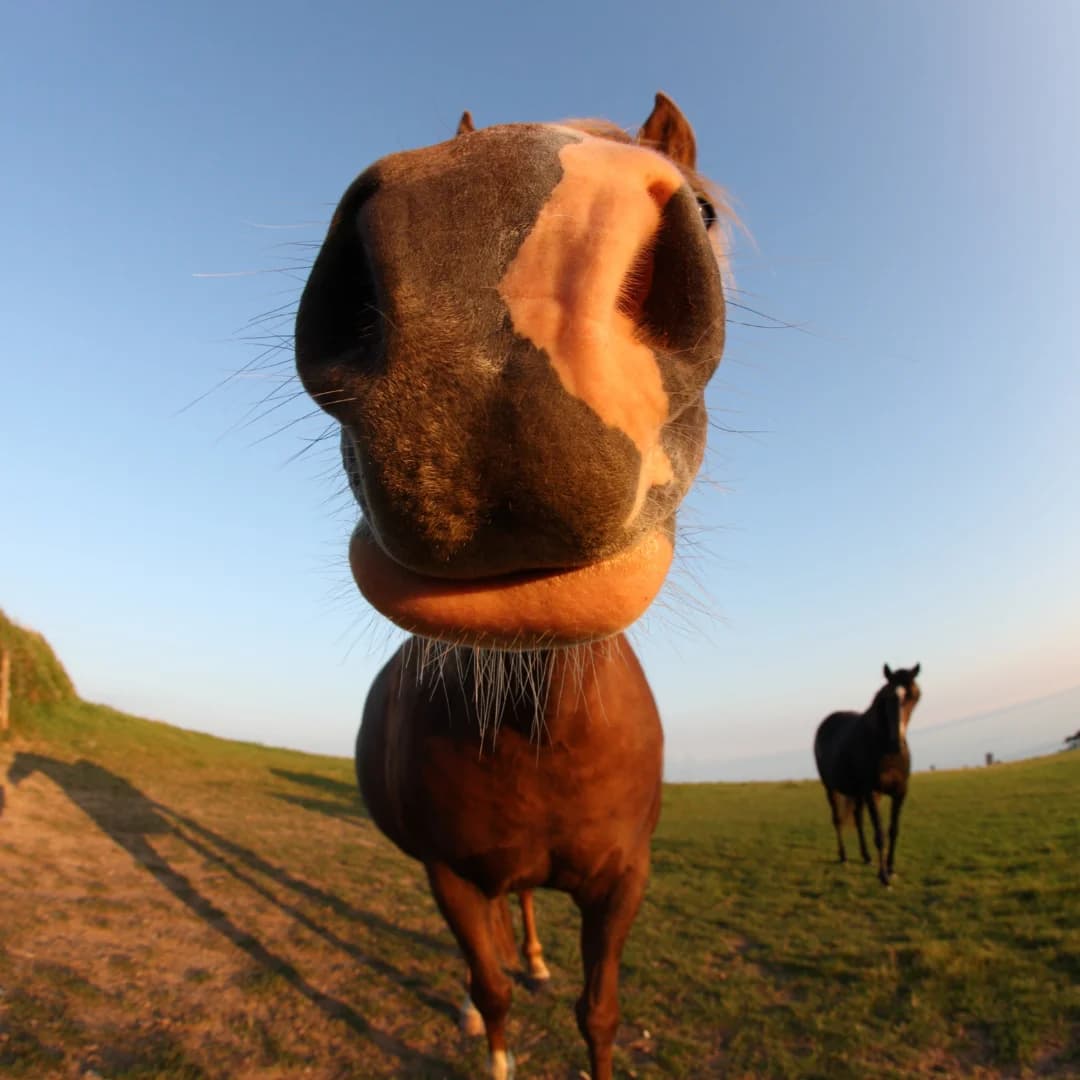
x: 823, y: 747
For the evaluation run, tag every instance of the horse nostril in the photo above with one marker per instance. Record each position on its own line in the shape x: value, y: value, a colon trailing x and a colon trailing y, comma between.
x: 339, y: 327
x: 363, y: 297
x: 673, y: 288
x: 636, y: 286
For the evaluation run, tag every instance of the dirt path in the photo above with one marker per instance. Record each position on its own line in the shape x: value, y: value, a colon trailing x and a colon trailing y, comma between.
x: 140, y: 936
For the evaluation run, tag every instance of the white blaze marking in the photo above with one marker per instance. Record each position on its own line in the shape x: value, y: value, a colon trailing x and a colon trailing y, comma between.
x: 562, y: 290
x: 901, y: 693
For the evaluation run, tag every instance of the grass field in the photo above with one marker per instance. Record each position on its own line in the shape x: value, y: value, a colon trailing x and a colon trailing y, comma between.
x: 173, y: 905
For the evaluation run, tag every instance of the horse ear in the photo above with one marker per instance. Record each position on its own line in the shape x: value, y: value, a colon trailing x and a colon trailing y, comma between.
x: 465, y: 124
x: 915, y: 670
x: 888, y: 671
x: 668, y: 131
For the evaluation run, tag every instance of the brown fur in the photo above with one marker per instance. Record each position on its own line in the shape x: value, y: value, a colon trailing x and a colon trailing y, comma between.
x: 488, y: 814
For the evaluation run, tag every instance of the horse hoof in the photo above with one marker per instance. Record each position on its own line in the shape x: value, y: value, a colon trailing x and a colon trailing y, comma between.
x: 884, y: 879
x: 472, y: 1023
x: 538, y: 972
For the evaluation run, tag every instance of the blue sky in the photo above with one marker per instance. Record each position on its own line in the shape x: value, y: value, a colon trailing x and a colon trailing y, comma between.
x: 904, y: 486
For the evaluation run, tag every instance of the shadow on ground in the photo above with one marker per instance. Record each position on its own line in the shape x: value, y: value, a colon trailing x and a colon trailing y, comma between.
x: 345, y: 805
x: 130, y: 819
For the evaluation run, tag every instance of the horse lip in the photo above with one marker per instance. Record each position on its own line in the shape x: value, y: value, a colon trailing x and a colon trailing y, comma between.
x: 525, y: 609
x: 364, y: 530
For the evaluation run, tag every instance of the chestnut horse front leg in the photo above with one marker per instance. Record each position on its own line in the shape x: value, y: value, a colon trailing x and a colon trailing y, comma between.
x: 468, y: 912
x: 605, y: 925
x: 472, y: 1023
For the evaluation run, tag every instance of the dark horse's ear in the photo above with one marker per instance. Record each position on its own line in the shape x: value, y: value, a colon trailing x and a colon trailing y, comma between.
x: 668, y: 131
x: 465, y: 124
x: 915, y: 670
x: 888, y: 671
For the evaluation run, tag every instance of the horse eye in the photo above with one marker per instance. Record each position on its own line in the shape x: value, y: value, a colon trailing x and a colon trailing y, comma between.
x: 708, y: 211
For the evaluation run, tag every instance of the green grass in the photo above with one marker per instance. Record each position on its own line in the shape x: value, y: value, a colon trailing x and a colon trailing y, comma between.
x: 37, y: 676
x: 973, y: 954
x: 176, y: 905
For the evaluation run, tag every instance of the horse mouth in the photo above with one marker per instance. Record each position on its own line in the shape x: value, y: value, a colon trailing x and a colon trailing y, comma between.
x: 523, y: 610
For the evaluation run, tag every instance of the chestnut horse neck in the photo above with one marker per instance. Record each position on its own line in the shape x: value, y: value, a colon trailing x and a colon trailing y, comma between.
x: 538, y: 693
x: 449, y: 764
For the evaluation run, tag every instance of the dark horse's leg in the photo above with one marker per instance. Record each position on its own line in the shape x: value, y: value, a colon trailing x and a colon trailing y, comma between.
x: 875, y: 820
x: 835, y: 806
x: 470, y: 915
x: 605, y: 924
x: 859, y: 828
x: 894, y: 829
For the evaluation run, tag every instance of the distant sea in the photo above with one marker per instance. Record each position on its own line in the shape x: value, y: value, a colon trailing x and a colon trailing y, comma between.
x: 1029, y: 729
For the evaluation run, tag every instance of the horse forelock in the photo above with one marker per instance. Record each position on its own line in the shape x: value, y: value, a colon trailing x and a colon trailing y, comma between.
x: 901, y: 692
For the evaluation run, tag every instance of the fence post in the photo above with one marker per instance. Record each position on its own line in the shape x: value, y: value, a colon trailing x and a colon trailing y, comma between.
x: 5, y: 688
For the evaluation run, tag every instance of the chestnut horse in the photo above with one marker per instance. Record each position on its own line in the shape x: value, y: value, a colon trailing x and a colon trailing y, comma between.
x: 515, y: 329
x: 862, y: 756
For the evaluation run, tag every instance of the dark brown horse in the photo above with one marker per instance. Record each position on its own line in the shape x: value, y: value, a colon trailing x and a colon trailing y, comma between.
x: 515, y: 329
x: 862, y: 756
